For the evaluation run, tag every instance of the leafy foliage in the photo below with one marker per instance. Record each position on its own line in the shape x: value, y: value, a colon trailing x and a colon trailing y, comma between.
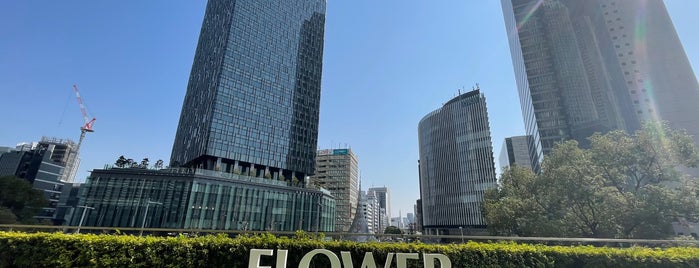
x: 85, y: 250
x: 121, y: 162
x: 623, y: 186
x: 392, y: 230
x: 19, y: 199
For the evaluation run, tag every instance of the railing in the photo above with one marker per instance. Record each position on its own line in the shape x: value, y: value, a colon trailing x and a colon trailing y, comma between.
x: 432, y: 239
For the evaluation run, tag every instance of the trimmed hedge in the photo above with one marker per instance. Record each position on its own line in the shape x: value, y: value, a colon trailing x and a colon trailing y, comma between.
x: 87, y: 250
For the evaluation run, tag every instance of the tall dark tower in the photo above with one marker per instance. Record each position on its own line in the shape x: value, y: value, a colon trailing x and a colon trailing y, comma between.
x: 585, y: 66
x: 253, y: 96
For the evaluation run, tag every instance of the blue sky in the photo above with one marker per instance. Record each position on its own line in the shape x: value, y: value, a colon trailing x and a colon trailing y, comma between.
x: 386, y: 65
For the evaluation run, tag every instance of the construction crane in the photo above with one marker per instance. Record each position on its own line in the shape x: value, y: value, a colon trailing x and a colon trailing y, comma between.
x: 88, y: 123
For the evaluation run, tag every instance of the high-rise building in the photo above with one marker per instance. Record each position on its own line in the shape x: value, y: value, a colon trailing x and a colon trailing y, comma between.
x: 515, y: 151
x: 252, y: 102
x: 585, y: 66
x: 456, y: 164
x: 372, y: 211
x: 38, y: 167
x: 246, y: 139
x: 383, y: 196
x: 337, y: 170
x: 65, y: 153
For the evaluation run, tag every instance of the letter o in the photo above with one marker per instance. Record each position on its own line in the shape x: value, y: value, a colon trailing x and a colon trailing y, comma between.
x: 306, y: 260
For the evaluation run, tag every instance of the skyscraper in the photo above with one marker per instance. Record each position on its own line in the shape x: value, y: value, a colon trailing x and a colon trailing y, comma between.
x: 337, y: 170
x: 383, y: 196
x: 597, y: 65
x: 371, y: 210
x: 253, y: 96
x: 247, y: 134
x: 39, y: 166
x: 456, y: 164
x: 515, y: 151
x: 65, y: 153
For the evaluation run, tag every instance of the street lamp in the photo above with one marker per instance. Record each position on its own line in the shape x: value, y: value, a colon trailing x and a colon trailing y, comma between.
x: 85, y: 208
x: 145, y: 214
x: 462, y: 234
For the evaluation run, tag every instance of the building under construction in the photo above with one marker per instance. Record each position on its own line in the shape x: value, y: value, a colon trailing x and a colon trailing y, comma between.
x: 65, y: 153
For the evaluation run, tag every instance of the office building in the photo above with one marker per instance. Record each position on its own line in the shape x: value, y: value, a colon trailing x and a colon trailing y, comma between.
x: 201, y: 199
x: 337, y: 170
x: 597, y: 65
x: 383, y: 196
x: 370, y: 208
x: 65, y: 153
x: 68, y: 204
x: 246, y: 140
x: 456, y: 164
x: 515, y: 151
x: 37, y: 166
x: 252, y: 102
x: 397, y: 222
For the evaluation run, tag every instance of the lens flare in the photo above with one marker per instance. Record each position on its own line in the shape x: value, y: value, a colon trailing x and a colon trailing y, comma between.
x: 530, y: 12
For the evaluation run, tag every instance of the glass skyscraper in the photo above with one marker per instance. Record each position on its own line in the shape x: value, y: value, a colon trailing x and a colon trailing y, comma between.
x: 515, y: 151
x: 456, y: 164
x: 585, y: 66
x: 253, y: 97
x: 247, y: 135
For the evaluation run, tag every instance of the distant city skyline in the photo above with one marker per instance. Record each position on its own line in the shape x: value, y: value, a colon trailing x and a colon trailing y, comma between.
x: 380, y: 76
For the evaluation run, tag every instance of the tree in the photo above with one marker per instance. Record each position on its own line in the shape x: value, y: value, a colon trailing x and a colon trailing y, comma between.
x: 158, y: 164
x: 145, y: 162
x: 392, y: 230
x: 6, y: 216
x: 622, y: 186
x: 19, y: 198
x: 121, y: 162
x: 131, y: 163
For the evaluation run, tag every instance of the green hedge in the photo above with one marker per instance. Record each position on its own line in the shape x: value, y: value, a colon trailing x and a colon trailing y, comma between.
x: 86, y: 250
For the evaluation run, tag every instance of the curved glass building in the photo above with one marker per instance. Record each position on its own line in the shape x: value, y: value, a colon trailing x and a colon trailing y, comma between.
x: 456, y: 165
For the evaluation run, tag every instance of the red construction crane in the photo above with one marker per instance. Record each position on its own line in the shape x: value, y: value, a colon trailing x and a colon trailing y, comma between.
x: 88, y: 123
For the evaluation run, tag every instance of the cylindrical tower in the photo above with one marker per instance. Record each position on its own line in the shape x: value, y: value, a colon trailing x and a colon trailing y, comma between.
x: 456, y: 165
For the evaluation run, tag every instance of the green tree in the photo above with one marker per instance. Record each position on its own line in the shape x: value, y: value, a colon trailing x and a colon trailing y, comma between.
x: 121, y: 162
x: 18, y: 197
x: 392, y: 230
x: 6, y: 216
x: 624, y: 186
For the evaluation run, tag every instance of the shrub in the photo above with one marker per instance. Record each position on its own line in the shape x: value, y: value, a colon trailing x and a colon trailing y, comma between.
x: 88, y: 250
